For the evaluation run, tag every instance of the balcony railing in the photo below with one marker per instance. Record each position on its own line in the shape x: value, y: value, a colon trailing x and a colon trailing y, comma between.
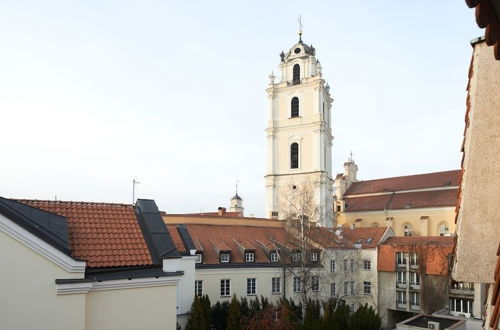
x: 462, y: 291
x: 401, y: 285
x: 415, y: 286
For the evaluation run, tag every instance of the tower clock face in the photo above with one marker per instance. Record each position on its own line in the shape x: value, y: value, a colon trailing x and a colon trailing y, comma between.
x: 297, y: 50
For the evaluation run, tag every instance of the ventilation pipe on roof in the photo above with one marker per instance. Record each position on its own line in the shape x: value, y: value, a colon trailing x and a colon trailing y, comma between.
x: 222, y: 210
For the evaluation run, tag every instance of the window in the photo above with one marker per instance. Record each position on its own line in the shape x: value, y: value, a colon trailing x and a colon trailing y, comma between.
x: 224, y: 257
x: 296, y: 74
x: 346, y: 288
x: 294, y: 155
x: 225, y: 288
x: 401, y: 297
x: 351, y: 265
x: 460, y: 306
x: 401, y: 277
x: 332, y: 266
x: 314, y: 256
x: 407, y: 230
x: 414, y: 278
x: 367, y: 265
x: 198, y: 258
x: 400, y: 258
x: 198, y: 288
x: 415, y: 298
x: 251, y: 285
x: 333, y: 289
x: 413, y: 259
x: 297, y: 284
x: 276, y: 285
x: 443, y: 230
x: 296, y: 256
x: 352, y: 288
x: 249, y: 256
x: 274, y: 257
x: 345, y: 265
x: 315, y: 283
x: 367, y: 287
x: 294, y: 107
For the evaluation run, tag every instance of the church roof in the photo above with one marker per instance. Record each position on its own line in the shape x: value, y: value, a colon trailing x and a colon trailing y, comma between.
x: 236, y: 197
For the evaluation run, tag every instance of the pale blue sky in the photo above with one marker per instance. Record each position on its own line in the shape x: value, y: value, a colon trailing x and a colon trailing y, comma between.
x: 93, y: 93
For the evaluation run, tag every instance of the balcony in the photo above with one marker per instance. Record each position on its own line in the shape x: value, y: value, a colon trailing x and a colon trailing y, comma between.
x: 415, y: 286
x: 462, y: 292
x: 401, y: 285
x: 400, y: 264
x: 413, y: 265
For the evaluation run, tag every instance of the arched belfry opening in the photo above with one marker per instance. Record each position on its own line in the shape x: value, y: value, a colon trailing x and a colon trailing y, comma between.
x: 296, y: 74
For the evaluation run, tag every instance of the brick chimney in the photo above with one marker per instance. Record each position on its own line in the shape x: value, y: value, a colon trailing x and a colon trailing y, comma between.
x: 222, y: 210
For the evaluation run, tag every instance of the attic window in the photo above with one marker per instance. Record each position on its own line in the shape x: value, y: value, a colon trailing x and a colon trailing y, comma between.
x: 224, y: 257
x: 249, y: 256
x: 359, y: 241
x: 274, y: 257
x: 296, y: 256
x: 314, y: 256
x: 369, y: 240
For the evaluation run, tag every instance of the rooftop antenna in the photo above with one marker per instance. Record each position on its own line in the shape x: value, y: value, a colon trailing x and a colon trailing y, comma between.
x: 300, y: 28
x: 134, y: 182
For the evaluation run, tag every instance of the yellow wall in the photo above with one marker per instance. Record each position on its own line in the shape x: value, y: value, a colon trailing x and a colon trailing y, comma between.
x: 400, y: 218
x: 28, y: 291
x: 141, y: 308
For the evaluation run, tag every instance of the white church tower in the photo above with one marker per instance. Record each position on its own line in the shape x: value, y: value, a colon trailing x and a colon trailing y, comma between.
x: 299, y: 136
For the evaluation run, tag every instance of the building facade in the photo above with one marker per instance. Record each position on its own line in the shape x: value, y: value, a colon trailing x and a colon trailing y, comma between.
x: 299, y: 136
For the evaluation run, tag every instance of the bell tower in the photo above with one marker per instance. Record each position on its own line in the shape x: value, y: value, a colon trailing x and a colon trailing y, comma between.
x: 299, y: 137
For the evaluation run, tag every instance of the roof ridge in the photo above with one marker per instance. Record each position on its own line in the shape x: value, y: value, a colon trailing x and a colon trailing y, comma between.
x: 405, y: 176
x: 69, y: 202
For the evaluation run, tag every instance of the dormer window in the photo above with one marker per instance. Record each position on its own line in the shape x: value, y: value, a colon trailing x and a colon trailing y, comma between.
x: 249, y: 256
x: 296, y: 256
x: 294, y: 107
x: 224, y: 257
x: 296, y: 74
x: 274, y: 257
x: 314, y: 256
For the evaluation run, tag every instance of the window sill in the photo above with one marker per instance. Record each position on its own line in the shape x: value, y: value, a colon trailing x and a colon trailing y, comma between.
x: 251, y: 294
x: 276, y: 293
x: 294, y: 117
x: 226, y: 296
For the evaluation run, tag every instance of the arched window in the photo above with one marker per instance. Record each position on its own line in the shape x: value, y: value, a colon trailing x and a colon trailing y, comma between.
x: 295, y: 107
x: 296, y: 74
x: 294, y: 155
x: 443, y: 229
x: 407, y: 230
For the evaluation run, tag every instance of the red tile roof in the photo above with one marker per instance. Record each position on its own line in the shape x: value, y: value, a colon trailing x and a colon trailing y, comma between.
x: 410, y: 200
x: 102, y: 234
x: 356, y: 235
x: 420, y: 240
x: 488, y: 16
x: 419, y: 181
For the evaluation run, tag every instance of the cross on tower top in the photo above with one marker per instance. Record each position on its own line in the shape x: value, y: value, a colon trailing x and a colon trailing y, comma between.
x: 299, y: 19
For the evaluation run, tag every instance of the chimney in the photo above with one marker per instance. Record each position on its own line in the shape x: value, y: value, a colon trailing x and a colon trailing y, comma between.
x: 222, y: 210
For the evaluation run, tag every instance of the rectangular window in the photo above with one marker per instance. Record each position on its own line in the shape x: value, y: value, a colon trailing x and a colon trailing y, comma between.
x: 346, y: 288
x: 297, y: 284
x: 401, y: 277
x: 415, y: 298
x: 413, y: 259
x: 400, y: 258
x: 249, y: 256
x: 225, y: 288
x: 414, y: 278
x: 351, y: 264
x: 251, y: 286
x: 296, y: 256
x: 344, y: 266
x: 224, y: 257
x: 367, y: 287
x: 198, y: 258
x: 274, y: 257
x: 352, y: 288
x: 315, y: 283
x: 460, y: 306
x: 332, y: 266
x: 333, y: 289
x: 401, y: 297
x: 314, y: 256
x: 276, y: 285
x: 367, y: 265
x: 198, y: 288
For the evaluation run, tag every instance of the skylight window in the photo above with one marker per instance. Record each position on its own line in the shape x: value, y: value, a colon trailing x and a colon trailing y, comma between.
x: 369, y: 240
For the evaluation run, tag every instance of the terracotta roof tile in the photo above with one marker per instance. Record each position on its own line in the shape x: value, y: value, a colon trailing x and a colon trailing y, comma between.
x: 420, y: 240
x: 102, y: 234
x: 356, y: 234
x: 410, y: 200
x: 419, y: 181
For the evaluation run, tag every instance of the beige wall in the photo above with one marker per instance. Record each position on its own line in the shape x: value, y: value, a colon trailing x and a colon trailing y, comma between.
x: 136, y: 308
x: 28, y: 291
x: 479, y: 214
x: 428, y: 227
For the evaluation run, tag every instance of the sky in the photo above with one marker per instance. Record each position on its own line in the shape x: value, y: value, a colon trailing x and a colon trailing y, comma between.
x: 96, y: 93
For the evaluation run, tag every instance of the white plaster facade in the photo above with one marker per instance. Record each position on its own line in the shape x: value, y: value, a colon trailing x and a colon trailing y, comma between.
x: 310, y: 129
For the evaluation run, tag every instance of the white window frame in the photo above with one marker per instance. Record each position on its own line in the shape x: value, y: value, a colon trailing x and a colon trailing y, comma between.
x: 346, y: 288
x: 297, y: 284
x: 414, y: 278
x: 251, y: 286
x: 315, y: 283
x: 314, y: 256
x: 198, y: 288
x: 296, y: 256
x: 400, y: 258
x: 333, y: 266
x: 401, y: 276
x: 413, y: 258
x: 352, y: 288
x: 198, y: 258
x: 249, y: 256
x: 333, y: 289
x: 274, y: 257
x: 225, y: 287
x: 367, y: 287
x: 225, y: 257
x: 276, y: 285
x: 401, y: 294
x: 367, y: 264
